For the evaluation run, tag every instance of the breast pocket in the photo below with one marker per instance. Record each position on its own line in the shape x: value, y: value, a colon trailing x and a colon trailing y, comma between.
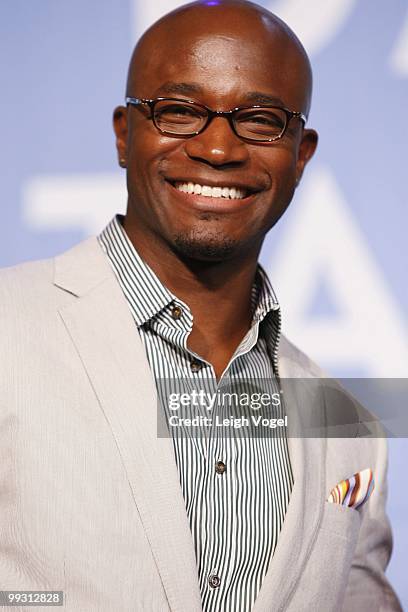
x: 326, y: 573
x: 340, y: 520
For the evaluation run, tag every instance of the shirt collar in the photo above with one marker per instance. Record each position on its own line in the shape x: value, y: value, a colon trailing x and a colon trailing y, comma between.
x: 144, y: 290
x: 264, y: 298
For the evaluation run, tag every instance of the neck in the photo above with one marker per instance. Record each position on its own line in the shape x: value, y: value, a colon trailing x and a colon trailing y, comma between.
x: 217, y: 293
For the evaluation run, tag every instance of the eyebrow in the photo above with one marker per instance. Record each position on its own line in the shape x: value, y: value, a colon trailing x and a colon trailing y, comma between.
x: 254, y: 97
x: 259, y: 97
x: 171, y: 87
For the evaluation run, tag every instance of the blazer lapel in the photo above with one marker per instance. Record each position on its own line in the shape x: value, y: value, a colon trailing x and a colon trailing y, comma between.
x: 106, y: 338
x: 307, y: 454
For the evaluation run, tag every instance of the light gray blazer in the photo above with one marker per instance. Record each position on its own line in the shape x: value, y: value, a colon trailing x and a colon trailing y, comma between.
x: 90, y: 501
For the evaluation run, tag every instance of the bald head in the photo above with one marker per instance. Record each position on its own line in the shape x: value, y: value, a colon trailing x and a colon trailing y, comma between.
x: 213, y: 33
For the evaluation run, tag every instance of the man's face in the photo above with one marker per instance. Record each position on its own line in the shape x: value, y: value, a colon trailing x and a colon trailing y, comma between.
x: 222, y: 72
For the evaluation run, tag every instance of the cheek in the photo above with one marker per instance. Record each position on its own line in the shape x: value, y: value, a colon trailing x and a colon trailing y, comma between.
x: 276, y: 155
x: 280, y: 166
x: 281, y: 170
x: 149, y: 156
x: 284, y: 161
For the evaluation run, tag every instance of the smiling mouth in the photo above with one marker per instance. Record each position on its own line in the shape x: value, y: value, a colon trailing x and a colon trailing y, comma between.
x: 228, y: 193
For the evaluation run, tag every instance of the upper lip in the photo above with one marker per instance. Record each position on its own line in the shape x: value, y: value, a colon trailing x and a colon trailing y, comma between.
x: 247, y: 187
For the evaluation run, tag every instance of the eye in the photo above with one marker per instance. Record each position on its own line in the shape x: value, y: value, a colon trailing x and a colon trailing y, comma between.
x: 263, y: 119
x: 177, y: 113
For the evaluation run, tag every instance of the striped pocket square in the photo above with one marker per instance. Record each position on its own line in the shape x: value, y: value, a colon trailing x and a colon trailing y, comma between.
x: 354, y: 491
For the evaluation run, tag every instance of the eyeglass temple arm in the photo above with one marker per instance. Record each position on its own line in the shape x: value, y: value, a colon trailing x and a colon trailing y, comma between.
x: 299, y: 114
x: 136, y: 101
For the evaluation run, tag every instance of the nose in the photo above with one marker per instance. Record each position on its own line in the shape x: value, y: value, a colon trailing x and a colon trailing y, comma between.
x: 218, y: 145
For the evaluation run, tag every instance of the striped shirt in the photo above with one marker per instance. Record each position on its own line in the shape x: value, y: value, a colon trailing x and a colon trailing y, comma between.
x: 236, y: 488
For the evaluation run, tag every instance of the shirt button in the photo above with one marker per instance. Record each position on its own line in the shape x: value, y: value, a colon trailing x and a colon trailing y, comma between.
x: 195, y: 366
x: 176, y: 312
x: 214, y: 581
x: 220, y: 467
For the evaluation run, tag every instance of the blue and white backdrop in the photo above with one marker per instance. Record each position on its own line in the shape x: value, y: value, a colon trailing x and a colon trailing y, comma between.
x: 338, y: 258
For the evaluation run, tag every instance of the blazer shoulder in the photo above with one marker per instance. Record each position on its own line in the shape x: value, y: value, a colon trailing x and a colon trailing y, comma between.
x: 25, y: 299
x: 30, y: 276
x: 292, y: 359
x: 340, y: 400
x: 33, y: 288
x: 23, y: 278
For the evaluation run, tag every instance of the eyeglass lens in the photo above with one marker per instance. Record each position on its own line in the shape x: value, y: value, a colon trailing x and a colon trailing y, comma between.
x: 186, y: 118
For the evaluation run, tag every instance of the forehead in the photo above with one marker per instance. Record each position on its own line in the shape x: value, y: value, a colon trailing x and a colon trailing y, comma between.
x: 224, y: 66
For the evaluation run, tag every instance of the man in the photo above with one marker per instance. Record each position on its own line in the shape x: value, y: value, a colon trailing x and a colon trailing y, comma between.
x: 93, y: 501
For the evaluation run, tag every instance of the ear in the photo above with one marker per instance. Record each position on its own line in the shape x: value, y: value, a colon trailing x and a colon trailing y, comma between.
x: 121, y: 131
x: 307, y: 147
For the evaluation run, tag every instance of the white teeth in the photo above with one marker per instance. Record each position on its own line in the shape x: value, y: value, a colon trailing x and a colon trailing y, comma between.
x: 233, y: 193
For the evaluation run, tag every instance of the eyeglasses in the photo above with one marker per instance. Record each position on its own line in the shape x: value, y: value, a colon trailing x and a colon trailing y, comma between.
x: 184, y: 118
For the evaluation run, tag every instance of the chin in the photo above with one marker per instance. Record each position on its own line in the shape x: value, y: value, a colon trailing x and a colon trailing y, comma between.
x: 205, y: 248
